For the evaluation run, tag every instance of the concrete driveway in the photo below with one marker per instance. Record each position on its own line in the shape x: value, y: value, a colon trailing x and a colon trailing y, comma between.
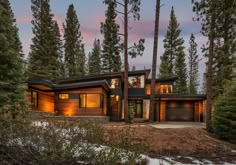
x: 179, y: 125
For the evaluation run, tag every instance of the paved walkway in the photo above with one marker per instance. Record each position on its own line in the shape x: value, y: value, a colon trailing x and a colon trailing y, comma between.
x: 179, y: 125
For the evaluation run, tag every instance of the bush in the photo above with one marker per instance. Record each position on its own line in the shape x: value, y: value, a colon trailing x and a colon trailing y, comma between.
x: 224, y: 116
x: 59, y: 142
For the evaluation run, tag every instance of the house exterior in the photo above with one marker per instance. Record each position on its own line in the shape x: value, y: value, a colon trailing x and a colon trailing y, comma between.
x: 102, y: 95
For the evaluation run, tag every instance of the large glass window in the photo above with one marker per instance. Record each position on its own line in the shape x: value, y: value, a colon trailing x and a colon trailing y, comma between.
x: 136, y: 81
x: 91, y: 101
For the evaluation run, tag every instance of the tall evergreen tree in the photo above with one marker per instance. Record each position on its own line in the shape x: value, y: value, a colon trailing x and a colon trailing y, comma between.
x: 207, y: 11
x: 58, y: 49
x: 173, y: 59
x: 94, y: 61
x: 111, y: 60
x: 74, y: 49
x: 44, y: 57
x: 173, y: 45
x: 226, y: 45
x: 12, y: 95
x: 193, y: 66
x: 180, y: 71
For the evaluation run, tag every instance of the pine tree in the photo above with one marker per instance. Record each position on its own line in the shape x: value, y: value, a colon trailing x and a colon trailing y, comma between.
x: 224, y: 115
x: 12, y: 88
x: 94, y: 62
x: 58, y: 48
x: 110, y: 57
x: 207, y: 11
x: 173, y: 45
x: 44, y: 57
x: 193, y: 66
x: 74, y: 49
x: 180, y: 72
x: 226, y: 45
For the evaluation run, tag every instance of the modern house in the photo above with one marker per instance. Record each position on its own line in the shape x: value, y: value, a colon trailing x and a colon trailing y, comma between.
x: 102, y: 95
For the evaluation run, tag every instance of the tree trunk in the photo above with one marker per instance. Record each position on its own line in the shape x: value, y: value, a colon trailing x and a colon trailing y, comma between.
x: 209, y: 102
x: 126, y: 63
x: 154, y: 62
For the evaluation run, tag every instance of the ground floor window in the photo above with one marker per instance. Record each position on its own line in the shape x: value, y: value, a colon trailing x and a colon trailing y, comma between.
x: 34, y: 99
x: 91, y: 101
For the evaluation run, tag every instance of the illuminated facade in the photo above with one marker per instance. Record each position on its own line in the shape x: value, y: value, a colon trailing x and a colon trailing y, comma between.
x: 102, y: 95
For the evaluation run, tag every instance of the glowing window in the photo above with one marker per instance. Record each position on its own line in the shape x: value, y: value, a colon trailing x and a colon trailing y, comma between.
x: 91, y: 101
x: 63, y: 96
x: 136, y: 81
x: 165, y: 88
x: 34, y: 99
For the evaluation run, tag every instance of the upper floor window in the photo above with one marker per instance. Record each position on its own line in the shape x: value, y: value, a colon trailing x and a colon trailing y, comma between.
x: 165, y: 89
x: 136, y: 81
x: 115, y: 83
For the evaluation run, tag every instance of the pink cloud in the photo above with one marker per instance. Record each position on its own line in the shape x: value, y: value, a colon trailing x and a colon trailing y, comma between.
x: 60, y: 19
x: 23, y: 19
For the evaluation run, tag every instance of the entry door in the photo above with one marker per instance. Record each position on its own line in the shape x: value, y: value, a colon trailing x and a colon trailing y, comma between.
x: 139, y: 109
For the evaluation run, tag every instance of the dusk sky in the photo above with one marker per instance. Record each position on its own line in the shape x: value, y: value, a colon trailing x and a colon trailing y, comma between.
x: 92, y: 12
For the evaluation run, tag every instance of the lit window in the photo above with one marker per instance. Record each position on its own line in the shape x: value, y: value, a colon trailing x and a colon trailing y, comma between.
x: 165, y: 88
x: 91, y: 101
x: 136, y: 81
x: 34, y: 99
x: 114, y: 83
x: 63, y: 96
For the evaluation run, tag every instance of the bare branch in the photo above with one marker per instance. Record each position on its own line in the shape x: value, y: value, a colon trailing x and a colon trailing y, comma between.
x: 119, y: 12
x: 121, y: 34
x: 119, y: 3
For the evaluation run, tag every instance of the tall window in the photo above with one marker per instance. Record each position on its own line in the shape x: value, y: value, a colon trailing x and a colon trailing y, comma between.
x: 34, y: 97
x: 91, y: 101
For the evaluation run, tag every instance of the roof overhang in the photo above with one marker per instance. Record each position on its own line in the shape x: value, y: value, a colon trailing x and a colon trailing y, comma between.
x: 48, y: 86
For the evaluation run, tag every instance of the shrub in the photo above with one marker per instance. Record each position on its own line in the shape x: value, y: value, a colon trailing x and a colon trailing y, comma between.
x: 59, y: 142
x: 224, y: 116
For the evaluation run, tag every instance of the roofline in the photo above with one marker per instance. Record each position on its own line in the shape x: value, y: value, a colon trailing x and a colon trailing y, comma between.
x: 163, y: 79
x: 104, y: 75
x: 55, y: 87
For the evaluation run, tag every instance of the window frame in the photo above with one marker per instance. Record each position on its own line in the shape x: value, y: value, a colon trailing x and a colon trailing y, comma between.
x: 101, y: 101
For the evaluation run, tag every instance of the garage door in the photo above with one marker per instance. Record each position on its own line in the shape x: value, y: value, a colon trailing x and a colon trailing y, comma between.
x: 179, y: 111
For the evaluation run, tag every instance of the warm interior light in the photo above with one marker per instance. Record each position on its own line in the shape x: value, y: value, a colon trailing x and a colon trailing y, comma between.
x: 63, y: 96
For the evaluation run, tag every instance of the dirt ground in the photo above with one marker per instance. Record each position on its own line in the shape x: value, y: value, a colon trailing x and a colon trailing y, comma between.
x: 176, y: 142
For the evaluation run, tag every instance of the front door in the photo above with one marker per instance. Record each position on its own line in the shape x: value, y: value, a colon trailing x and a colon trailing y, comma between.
x: 137, y: 107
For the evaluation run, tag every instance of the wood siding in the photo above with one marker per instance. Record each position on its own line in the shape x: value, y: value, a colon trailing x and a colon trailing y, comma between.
x: 45, y: 102
x: 70, y: 107
x: 148, y: 88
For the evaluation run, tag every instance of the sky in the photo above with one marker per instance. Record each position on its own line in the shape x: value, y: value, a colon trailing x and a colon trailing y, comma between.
x: 92, y: 12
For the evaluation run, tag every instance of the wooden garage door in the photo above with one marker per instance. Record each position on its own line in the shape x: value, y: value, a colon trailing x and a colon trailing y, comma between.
x: 180, y: 111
